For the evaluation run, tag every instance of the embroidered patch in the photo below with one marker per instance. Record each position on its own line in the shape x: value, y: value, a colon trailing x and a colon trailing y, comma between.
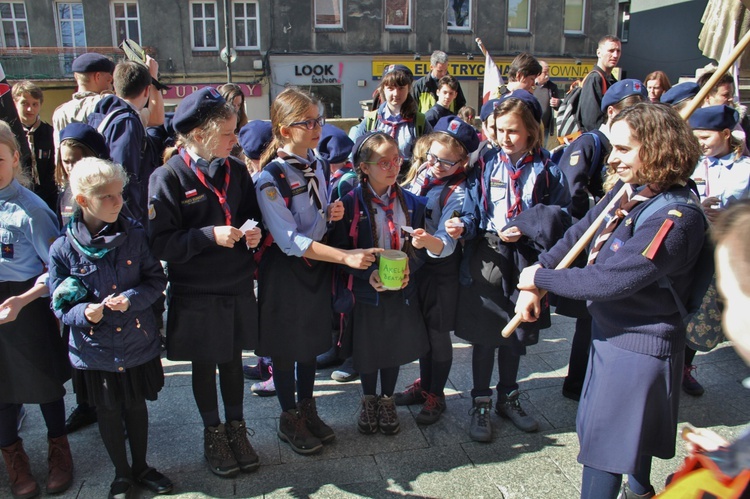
x: 299, y: 190
x: 271, y: 193
x: 151, y: 211
x: 193, y: 200
x: 574, y: 159
x: 191, y: 193
x: 8, y: 251
x: 496, y: 182
x: 616, y: 244
x: 294, y: 185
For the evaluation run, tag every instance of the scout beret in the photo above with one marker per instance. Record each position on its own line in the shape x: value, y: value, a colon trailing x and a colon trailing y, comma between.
x: 334, y: 145
x: 488, y: 108
x: 621, y: 90
x: 195, y: 108
x: 255, y: 137
x: 91, y: 62
x: 528, y: 98
x: 716, y: 118
x: 361, y: 142
x: 397, y: 67
x: 679, y: 93
x: 88, y: 136
x: 459, y: 130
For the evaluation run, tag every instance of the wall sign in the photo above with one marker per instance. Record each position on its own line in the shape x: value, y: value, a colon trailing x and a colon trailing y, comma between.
x: 182, y: 91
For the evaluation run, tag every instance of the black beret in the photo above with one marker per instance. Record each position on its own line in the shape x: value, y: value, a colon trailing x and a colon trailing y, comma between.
x: 488, y: 108
x: 334, y: 145
x: 91, y: 62
x: 88, y: 136
x: 397, y: 67
x: 679, y: 93
x: 527, y: 98
x: 255, y: 137
x: 195, y: 108
x: 459, y: 130
x: 621, y: 90
x: 716, y: 118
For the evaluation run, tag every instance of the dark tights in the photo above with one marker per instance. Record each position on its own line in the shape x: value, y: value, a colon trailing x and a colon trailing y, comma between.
x: 232, y: 385
x: 482, y: 361
x: 435, y: 366
x: 54, y: 418
x: 689, y: 356
x: 283, y: 380
x: 135, y: 417
x: 598, y: 484
x: 388, y: 379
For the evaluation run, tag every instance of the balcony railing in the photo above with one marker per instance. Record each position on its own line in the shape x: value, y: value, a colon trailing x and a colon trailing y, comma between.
x: 50, y: 63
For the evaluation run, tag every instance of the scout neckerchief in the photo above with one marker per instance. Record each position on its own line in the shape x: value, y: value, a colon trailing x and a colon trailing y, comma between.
x: 628, y: 201
x: 515, y: 174
x: 30, y: 138
x: 308, y: 170
x: 388, y: 209
x: 429, y: 183
x: 394, y: 121
x: 221, y: 194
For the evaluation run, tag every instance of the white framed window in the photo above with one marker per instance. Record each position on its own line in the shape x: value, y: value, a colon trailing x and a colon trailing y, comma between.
x: 126, y: 22
x: 398, y: 14
x: 246, y: 25
x: 70, y: 25
x: 328, y: 14
x: 519, y: 15
x: 14, y: 26
x: 458, y: 15
x: 204, y: 26
x: 575, y: 10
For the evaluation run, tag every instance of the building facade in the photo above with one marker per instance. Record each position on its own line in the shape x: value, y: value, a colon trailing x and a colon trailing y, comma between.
x: 335, y: 48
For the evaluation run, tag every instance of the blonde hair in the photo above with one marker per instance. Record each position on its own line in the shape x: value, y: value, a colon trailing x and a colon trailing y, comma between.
x: 8, y: 138
x: 418, y: 157
x: 91, y: 174
x: 289, y: 106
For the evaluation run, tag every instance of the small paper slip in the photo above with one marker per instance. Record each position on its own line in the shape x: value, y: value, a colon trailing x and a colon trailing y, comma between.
x: 249, y: 225
x: 407, y: 229
x: 4, y: 313
x: 454, y: 224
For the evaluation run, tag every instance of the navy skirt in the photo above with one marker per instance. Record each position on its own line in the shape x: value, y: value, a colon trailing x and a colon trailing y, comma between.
x: 628, y: 407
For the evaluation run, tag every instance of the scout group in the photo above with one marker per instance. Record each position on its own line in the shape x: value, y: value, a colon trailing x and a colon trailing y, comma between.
x: 421, y: 227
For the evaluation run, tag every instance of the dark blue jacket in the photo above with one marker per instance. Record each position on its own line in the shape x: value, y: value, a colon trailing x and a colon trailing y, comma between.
x: 583, y: 176
x: 339, y: 238
x: 121, y: 340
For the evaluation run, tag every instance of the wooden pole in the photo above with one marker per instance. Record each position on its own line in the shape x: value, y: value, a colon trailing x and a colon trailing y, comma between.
x: 481, y: 46
x: 589, y: 234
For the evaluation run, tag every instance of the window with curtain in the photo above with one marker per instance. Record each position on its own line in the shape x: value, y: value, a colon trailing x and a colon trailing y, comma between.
x: 15, y: 28
x: 204, y: 26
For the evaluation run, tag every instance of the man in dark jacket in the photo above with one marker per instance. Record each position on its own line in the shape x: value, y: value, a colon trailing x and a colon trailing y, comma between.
x: 590, y: 115
x: 548, y: 95
x: 425, y: 89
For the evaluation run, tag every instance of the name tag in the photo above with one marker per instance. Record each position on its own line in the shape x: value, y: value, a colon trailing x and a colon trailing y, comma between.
x: 498, y: 189
x: 193, y: 200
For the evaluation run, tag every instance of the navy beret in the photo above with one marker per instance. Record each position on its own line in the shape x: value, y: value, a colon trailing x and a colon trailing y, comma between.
x: 397, y: 67
x: 361, y: 141
x: 621, y: 90
x: 679, y: 93
x: 195, y: 108
x: 334, y: 145
x: 528, y: 98
x: 88, y: 136
x: 255, y: 137
x: 488, y: 108
x: 716, y: 118
x: 91, y: 62
x: 459, y: 130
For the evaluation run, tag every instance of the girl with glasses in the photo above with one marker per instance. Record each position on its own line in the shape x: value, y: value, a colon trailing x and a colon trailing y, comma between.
x: 398, y: 115
x: 386, y: 329
x: 295, y: 312
x: 515, y: 201
x: 443, y: 180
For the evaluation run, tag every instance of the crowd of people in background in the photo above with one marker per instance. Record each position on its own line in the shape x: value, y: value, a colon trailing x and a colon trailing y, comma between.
x: 388, y: 238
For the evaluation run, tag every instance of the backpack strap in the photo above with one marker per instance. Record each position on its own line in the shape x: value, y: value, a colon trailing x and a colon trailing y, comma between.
x: 419, y: 124
x: 596, y: 160
x: 448, y: 189
x: 370, y: 118
x: 281, y: 181
x: 108, y: 119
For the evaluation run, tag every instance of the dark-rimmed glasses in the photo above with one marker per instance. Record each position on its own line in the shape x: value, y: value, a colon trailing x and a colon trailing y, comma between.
x: 434, y: 160
x: 310, y: 124
x: 386, y: 165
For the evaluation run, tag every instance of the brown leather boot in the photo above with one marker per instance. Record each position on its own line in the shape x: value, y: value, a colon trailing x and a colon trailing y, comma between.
x: 22, y: 484
x: 60, y: 464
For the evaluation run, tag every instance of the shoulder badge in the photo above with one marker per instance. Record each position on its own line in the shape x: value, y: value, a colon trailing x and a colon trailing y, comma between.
x: 574, y: 159
x: 151, y: 211
x: 271, y: 193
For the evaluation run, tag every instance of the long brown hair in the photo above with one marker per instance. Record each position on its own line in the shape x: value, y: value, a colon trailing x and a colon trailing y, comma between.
x: 289, y: 106
x: 399, y: 78
x: 229, y: 91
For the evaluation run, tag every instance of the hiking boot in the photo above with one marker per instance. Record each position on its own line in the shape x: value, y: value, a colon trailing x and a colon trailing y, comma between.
x: 264, y: 388
x: 368, y: 416
x: 413, y: 394
x: 433, y: 407
x: 243, y: 452
x: 80, y: 417
x: 260, y: 371
x: 690, y: 385
x: 481, y: 424
x: 387, y: 416
x: 626, y: 493
x: 60, y: 463
x: 293, y: 430
x: 317, y: 427
x: 345, y: 372
x: 509, y: 407
x: 22, y: 483
x: 19, y: 419
x: 218, y: 453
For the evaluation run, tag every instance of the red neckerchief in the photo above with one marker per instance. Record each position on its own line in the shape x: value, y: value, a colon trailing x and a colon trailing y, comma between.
x: 221, y: 194
x: 394, y: 123
x: 514, y: 174
x: 395, y: 240
x: 341, y: 172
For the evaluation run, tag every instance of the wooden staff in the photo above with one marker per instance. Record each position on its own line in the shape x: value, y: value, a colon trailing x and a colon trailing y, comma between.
x: 589, y: 234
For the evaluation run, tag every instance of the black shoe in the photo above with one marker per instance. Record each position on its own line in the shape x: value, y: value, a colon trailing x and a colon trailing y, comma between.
x: 346, y: 372
x: 121, y: 488
x: 80, y: 417
x: 329, y: 358
x: 155, y: 481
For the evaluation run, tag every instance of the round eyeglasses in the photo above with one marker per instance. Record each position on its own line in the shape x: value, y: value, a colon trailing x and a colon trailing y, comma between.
x: 310, y: 124
x: 386, y: 165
